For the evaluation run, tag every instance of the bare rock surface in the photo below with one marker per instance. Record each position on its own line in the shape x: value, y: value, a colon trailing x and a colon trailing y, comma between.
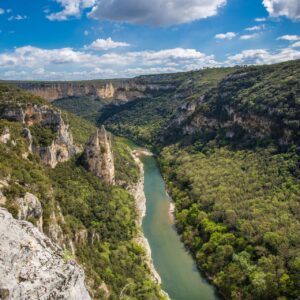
x: 32, y: 267
x: 118, y: 91
x: 5, y: 136
x: 30, y: 206
x: 98, y: 156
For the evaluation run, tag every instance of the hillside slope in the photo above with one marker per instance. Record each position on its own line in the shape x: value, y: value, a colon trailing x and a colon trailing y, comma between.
x: 91, y: 220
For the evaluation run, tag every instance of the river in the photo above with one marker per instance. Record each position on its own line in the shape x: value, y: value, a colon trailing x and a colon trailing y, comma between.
x: 180, y: 277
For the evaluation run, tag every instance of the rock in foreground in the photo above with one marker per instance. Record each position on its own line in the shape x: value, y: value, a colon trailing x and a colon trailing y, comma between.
x: 32, y: 267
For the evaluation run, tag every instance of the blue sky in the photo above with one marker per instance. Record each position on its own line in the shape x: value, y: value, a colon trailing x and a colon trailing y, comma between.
x: 84, y: 39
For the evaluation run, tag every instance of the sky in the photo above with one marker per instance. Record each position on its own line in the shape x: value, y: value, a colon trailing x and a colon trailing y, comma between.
x: 94, y: 39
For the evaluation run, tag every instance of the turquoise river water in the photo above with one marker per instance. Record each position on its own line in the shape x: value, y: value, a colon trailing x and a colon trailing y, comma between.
x: 180, y: 277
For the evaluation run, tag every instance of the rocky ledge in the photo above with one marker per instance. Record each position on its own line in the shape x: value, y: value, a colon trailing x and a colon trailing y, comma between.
x: 32, y: 267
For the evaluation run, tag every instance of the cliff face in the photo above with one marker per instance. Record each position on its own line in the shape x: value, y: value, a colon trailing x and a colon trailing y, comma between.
x: 32, y: 267
x: 116, y: 91
x: 62, y: 147
x: 98, y: 156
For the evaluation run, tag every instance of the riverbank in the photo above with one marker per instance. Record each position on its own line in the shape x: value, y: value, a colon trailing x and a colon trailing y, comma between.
x: 140, y: 201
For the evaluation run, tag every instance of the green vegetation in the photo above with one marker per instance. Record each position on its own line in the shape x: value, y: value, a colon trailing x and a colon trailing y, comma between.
x: 10, y: 95
x: 42, y: 135
x: 144, y: 120
x: 239, y: 214
x: 87, y: 108
x: 126, y: 169
x: 256, y: 105
x: 107, y: 213
x: 81, y: 129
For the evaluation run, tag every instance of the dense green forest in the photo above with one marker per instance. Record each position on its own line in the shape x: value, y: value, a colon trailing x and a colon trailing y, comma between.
x: 86, y: 108
x: 239, y: 213
x: 104, y: 213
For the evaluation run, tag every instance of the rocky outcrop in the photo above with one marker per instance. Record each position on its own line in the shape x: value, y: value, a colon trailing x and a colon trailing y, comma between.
x: 98, y: 156
x: 56, y: 233
x: 30, y: 207
x: 81, y: 236
x: 62, y: 147
x: 5, y: 136
x: 3, y: 184
x: 107, y: 92
x: 32, y: 267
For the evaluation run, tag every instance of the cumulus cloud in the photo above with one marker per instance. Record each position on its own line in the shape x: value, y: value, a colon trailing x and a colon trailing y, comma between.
x: 225, y: 36
x: 286, y: 8
x: 249, y: 36
x: 289, y: 38
x: 17, y: 18
x: 102, y: 44
x: 296, y: 45
x: 66, y: 63
x: 260, y: 19
x: 2, y: 11
x: 255, y: 28
x: 155, y: 12
x: 32, y: 63
x: 71, y: 8
x: 263, y: 56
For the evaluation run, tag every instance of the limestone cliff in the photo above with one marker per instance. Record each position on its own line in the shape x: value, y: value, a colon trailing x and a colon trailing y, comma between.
x: 117, y: 91
x: 62, y: 147
x: 32, y: 267
x: 98, y: 156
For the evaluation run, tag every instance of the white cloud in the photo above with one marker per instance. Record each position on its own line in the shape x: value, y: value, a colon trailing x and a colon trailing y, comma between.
x: 255, y: 28
x: 17, y: 18
x: 86, y: 32
x: 263, y: 56
x: 61, y: 64
x: 2, y: 11
x: 225, y: 36
x: 260, y: 19
x: 249, y: 36
x: 286, y: 8
x: 296, y: 45
x: 101, y: 44
x: 289, y: 38
x: 32, y: 63
x: 71, y: 8
x: 156, y: 12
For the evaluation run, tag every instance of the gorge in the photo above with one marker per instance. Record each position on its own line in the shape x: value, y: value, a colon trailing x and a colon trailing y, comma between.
x: 226, y: 148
